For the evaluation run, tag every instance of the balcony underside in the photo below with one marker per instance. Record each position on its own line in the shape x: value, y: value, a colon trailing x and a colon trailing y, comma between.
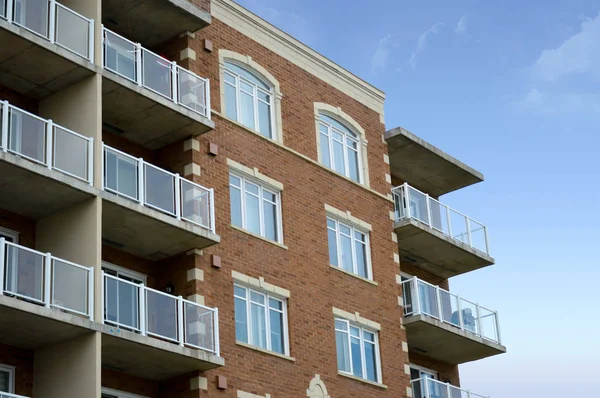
x: 149, y: 233
x: 35, y: 191
x: 147, y: 118
x: 150, y: 358
x: 153, y: 22
x: 435, y: 252
x: 426, y: 167
x: 32, y: 66
x: 443, y: 342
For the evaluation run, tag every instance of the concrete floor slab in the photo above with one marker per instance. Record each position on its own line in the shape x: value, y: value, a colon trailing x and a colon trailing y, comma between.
x: 149, y: 233
x: 435, y: 252
x: 31, y: 65
x: 443, y: 342
x: 146, y: 118
x: 153, y: 22
x: 35, y: 191
x: 426, y: 167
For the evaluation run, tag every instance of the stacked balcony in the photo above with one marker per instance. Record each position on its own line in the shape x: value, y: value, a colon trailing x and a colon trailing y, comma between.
x: 431, y: 388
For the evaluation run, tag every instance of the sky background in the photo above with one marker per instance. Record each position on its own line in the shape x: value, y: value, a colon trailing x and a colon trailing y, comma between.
x: 512, y: 88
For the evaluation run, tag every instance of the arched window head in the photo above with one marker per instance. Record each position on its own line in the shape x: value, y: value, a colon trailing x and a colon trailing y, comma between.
x: 340, y: 147
x: 248, y: 99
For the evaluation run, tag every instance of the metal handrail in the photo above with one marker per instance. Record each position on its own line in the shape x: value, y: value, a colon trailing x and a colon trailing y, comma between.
x: 431, y: 388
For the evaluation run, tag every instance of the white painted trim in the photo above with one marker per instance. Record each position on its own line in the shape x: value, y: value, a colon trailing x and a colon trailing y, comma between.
x: 255, y: 174
x: 424, y: 369
x: 120, y: 394
x: 347, y: 217
x: 260, y: 284
x: 11, y: 377
x: 357, y: 319
x: 14, y: 235
x: 126, y: 272
x: 243, y: 394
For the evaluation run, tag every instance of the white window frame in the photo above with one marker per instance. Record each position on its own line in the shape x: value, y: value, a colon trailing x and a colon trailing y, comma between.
x: 14, y: 235
x: 11, y: 377
x: 126, y: 272
x: 362, y: 329
x: 353, y: 229
x: 346, y: 135
x: 254, y: 95
x: 422, y: 369
x: 261, y: 188
x: 283, y: 300
x: 120, y: 394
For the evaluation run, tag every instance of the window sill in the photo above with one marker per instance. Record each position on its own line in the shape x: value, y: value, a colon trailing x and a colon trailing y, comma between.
x: 259, y: 237
x: 255, y: 348
x: 369, y: 382
x: 354, y: 275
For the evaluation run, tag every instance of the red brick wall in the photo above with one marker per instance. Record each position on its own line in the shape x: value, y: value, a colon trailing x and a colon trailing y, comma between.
x: 18, y: 100
x: 22, y: 360
x: 446, y: 372
x: 23, y: 225
x: 131, y: 384
x: 134, y: 263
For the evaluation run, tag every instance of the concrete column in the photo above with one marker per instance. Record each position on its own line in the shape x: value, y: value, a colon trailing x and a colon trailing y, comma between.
x: 89, y: 9
x: 69, y: 369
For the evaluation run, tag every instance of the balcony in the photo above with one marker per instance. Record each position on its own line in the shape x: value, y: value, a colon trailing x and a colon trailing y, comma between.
x: 430, y: 388
x: 46, y: 47
x: 178, y: 326
x: 7, y: 395
x: 425, y: 166
x: 44, y: 300
x: 447, y: 327
x: 44, y: 167
x: 153, y: 22
x: 172, y: 213
x: 436, y: 237
x: 148, y: 99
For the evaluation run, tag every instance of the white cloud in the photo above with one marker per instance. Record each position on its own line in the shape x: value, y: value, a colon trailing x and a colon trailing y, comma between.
x: 422, y: 44
x: 578, y: 55
x: 551, y: 103
x: 381, y: 57
x: 461, y: 25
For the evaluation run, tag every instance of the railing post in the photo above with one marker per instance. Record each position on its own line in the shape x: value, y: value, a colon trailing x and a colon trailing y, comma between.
x: 91, y: 161
x: 91, y: 294
x: 138, y: 64
x: 468, y: 393
x: 142, y: 308
x: 469, y: 231
x: 487, y: 245
x: 416, y: 298
x: 439, y: 303
x: 497, y: 326
x: 178, y: 196
x: 180, y: 320
x: 406, y: 200
x: 448, y: 390
x: 52, y: 24
x: 141, y: 184
x: 102, y: 286
x: 49, y: 134
x: 174, y: 82
x: 2, y: 262
x: 5, y: 115
x: 428, y: 207
x: 9, y: 10
x: 207, y: 99
x: 102, y: 44
x: 426, y: 382
x: 91, y: 46
x: 449, y: 221
x: 217, y: 342
x: 460, y: 314
x: 47, y: 279
x: 479, y: 324
x: 213, y: 222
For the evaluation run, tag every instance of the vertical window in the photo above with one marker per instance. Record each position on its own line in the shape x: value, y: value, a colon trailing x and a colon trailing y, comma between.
x: 357, y: 350
x: 340, y: 148
x: 260, y: 320
x: 348, y: 248
x: 7, y: 379
x: 255, y: 208
x: 248, y: 100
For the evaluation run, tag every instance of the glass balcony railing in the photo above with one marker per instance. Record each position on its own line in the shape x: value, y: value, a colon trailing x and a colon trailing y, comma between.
x: 46, y: 280
x: 5, y: 394
x: 151, y: 186
x: 423, y: 298
x: 44, y: 142
x: 146, y: 69
x: 153, y: 313
x: 412, y: 203
x: 54, y: 22
x: 429, y: 388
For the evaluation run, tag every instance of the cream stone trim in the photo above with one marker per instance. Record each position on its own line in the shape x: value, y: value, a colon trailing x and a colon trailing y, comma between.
x: 254, y: 173
x: 392, y: 213
x: 195, y: 274
x: 260, y: 284
x: 257, y: 236
x: 354, y: 275
x: 348, y: 217
x: 187, y: 53
x: 199, y: 383
x: 398, y: 279
x: 275, y: 354
x: 407, y: 369
x: 394, y: 237
x: 196, y: 252
x: 344, y: 118
x: 404, y: 346
x: 396, y: 258
x: 356, y: 318
x: 400, y: 303
x: 267, y: 35
x: 317, y: 389
x: 386, y: 158
x: 192, y: 144
x: 192, y: 169
x: 373, y: 383
x: 388, y: 178
x: 196, y: 298
x: 409, y: 391
x: 242, y: 394
x: 264, y: 74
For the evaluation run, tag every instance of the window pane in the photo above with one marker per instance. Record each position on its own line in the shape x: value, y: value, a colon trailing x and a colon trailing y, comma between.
x: 246, y: 75
x: 338, y: 157
x: 361, y: 259
x: 353, y: 165
x: 235, y: 196
x: 263, y: 96
x: 247, y: 110
x: 370, y: 362
x: 341, y: 325
x: 343, y: 356
x: 276, y: 331
x: 325, y: 156
x: 257, y: 298
x: 4, y: 381
x: 271, y: 197
x: 259, y: 332
x: 252, y: 188
x: 246, y: 87
x: 252, y: 214
x: 235, y: 181
x: 270, y: 217
x: 264, y: 119
x: 356, y: 357
x: 230, y: 78
x: 230, y: 102
x: 333, y: 249
x: 275, y: 304
x: 346, y: 244
x: 241, y: 320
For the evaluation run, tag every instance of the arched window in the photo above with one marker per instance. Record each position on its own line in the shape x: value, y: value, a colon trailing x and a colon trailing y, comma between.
x: 248, y: 99
x: 340, y: 147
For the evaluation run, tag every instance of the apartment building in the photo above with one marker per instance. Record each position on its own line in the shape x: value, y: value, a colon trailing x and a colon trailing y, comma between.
x: 195, y: 204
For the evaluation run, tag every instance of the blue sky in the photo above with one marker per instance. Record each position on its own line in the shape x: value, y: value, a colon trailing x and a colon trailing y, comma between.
x: 512, y: 88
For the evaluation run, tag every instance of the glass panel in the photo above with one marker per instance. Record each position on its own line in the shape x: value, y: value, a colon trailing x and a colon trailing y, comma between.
x: 247, y: 110
x: 370, y: 361
x: 428, y: 299
x: 160, y: 189
x: 192, y: 91
x: 436, y: 389
x: 120, y: 56
x: 156, y: 73
x: 361, y: 259
x: 270, y: 217
x: 241, y: 320
x: 407, y: 296
x: 69, y: 287
x: 399, y: 203
x: 32, y: 14
x: 24, y: 273
x: 356, y: 357
x: 336, y: 124
x: 418, y: 205
x: 231, y: 102
x: 338, y: 157
x: 346, y: 246
x: 325, y: 155
x: 246, y: 75
x: 3, y: 15
x: 121, y: 174
x: 343, y: 354
x: 195, y: 204
x: 276, y: 319
x: 333, y: 249
x: 469, y: 315
x: 235, y: 197
x: 459, y: 226
x: 27, y: 136
x: 4, y: 376
x: 478, y: 240
x: 252, y: 214
x: 72, y: 31
x: 353, y: 164
x: 264, y: 119
x: 161, y: 314
x: 259, y: 331
x: 439, y: 216
x: 122, y: 303
x: 489, y: 327
x: 449, y: 308
x: 70, y: 153
x: 456, y: 392
x: 199, y: 326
